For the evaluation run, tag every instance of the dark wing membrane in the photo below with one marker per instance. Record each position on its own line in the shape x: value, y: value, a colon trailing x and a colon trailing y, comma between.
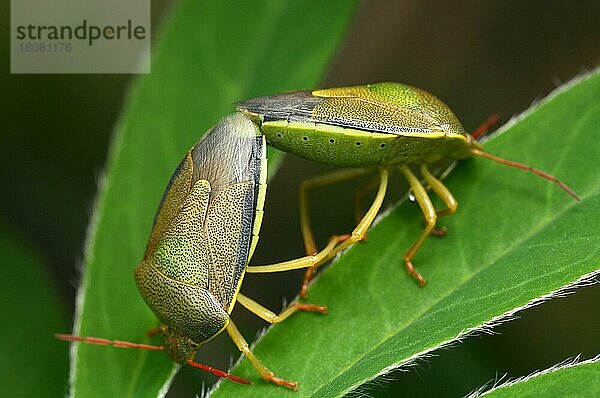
x: 296, y: 106
x: 230, y: 159
x: 229, y: 153
x: 383, y: 108
x: 350, y: 112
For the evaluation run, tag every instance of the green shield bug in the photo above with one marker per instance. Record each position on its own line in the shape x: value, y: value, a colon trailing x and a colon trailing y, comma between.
x: 204, y: 234
x: 382, y: 126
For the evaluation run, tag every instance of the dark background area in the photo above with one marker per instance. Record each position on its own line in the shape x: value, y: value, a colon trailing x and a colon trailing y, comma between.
x: 479, y: 57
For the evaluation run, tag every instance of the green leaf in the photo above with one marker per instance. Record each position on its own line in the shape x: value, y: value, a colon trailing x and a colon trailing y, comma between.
x: 33, y: 363
x: 564, y: 380
x: 515, y: 239
x: 208, y: 55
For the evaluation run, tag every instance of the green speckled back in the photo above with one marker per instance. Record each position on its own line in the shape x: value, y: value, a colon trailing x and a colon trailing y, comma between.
x: 385, y: 107
x: 383, y: 123
x: 204, y: 233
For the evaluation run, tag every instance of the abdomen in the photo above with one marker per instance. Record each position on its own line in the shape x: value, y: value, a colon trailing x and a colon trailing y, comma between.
x: 328, y: 144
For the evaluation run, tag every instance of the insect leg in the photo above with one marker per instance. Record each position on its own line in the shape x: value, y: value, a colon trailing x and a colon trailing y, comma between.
x: 317, y: 182
x: 303, y: 262
x: 270, y: 316
x: 443, y: 193
x: 360, y: 194
x: 266, y: 374
x: 430, y: 220
x: 358, y: 234
x: 360, y: 231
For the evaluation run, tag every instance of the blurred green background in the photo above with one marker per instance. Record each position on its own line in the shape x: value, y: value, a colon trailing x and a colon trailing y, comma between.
x: 479, y: 57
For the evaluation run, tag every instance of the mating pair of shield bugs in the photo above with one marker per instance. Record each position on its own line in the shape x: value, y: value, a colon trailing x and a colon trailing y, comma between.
x: 208, y: 223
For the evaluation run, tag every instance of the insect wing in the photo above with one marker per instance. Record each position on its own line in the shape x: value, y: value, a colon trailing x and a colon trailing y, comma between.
x: 383, y: 107
x: 232, y: 159
x: 177, y: 191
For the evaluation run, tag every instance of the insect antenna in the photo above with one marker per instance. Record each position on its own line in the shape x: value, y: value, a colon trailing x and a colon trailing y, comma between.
x: 218, y: 372
x: 522, y: 166
x: 114, y: 343
x: 127, y: 344
x: 485, y: 126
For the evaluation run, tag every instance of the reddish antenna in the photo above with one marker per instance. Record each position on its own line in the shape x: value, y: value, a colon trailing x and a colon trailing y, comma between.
x: 101, y: 341
x: 522, y: 166
x: 217, y: 372
x: 485, y: 126
x: 127, y: 344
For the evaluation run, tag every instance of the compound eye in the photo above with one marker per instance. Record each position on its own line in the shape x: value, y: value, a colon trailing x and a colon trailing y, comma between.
x: 193, y: 346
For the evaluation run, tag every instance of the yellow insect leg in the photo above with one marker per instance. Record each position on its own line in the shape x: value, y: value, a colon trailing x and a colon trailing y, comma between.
x: 440, y: 189
x: 430, y: 220
x: 444, y: 194
x: 358, y: 234
x: 317, y: 182
x: 270, y: 316
x: 307, y: 234
x: 360, y: 231
x: 303, y: 262
x: 360, y: 194
x: 266, y: 374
